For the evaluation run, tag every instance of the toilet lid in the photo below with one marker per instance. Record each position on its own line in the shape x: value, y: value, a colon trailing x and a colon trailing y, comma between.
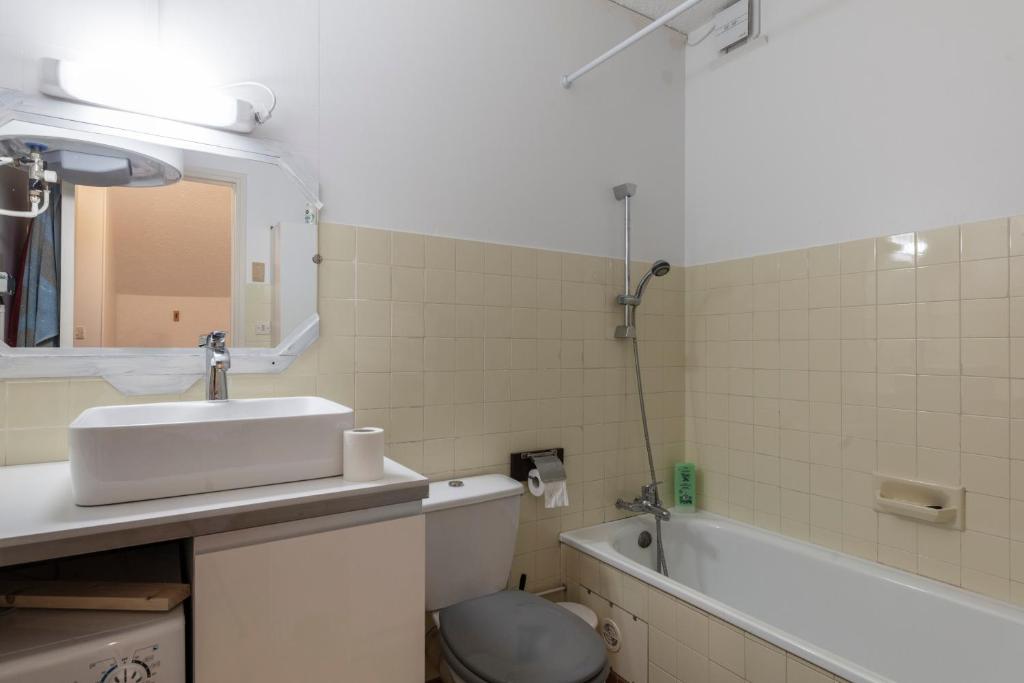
x: 516, y: 637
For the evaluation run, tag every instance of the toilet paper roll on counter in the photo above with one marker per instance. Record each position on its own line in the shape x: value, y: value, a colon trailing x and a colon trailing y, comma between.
x: 548, y: 479
x: 363, y: 454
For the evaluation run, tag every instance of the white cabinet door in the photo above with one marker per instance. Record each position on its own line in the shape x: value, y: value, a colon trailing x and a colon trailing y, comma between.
x: 333, y: 606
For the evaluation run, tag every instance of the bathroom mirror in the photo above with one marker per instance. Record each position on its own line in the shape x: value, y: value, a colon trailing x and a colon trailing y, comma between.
x: 155, y: 233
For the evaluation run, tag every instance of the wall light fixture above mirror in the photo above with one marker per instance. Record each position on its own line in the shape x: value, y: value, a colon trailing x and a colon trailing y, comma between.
x: 155, y: 232
x: 155, y: 94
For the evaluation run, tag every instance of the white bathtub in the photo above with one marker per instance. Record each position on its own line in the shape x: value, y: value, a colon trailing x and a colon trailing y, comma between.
x: 860, y: 620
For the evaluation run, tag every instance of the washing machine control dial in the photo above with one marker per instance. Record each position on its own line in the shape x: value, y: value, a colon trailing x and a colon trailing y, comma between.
x: 133, y: 671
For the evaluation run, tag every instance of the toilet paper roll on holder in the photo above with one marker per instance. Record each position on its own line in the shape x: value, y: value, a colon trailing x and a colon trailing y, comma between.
x: 548, y: 462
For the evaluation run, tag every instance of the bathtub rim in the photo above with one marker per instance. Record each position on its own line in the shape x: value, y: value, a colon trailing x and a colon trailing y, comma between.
x: 595, y: 542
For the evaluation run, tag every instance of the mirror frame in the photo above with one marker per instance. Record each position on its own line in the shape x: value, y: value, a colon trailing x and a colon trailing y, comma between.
x: 142, y: 371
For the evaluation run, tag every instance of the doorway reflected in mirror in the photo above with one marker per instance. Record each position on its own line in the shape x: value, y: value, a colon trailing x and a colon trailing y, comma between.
x: 152, y: 266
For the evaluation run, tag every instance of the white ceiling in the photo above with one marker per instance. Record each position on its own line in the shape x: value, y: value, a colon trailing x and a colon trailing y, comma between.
x: 692, y: 18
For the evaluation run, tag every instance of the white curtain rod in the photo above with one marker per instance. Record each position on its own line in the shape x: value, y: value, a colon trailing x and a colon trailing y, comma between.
x: 568, y: 79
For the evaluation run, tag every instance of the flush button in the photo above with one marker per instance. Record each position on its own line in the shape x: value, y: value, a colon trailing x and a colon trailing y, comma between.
x: 455, y: 483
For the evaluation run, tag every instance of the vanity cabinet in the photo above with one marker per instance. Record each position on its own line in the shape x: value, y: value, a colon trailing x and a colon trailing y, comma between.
x: 321, y: 599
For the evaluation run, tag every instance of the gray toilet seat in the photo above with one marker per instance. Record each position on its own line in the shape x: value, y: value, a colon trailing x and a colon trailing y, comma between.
x: 516, y: 637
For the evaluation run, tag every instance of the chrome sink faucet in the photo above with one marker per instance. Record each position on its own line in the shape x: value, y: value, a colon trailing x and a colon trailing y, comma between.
x: 218, y: 361
x: 647, y: 502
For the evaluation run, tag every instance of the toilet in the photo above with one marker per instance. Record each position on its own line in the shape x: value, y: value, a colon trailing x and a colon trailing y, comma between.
x: 489, y: 634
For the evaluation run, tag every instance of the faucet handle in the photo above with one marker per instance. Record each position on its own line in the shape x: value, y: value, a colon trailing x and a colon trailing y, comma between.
x: 214, y: 340
x: 650, y: 491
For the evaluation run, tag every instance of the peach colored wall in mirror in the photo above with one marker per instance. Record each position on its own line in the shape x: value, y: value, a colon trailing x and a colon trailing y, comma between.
x: 173, y: 240
x: 143, y: 253
x: 148, y: 321
x: 91, y: 264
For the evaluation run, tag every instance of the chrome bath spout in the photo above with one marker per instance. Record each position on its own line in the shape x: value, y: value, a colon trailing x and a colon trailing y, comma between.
x: 647, y: 502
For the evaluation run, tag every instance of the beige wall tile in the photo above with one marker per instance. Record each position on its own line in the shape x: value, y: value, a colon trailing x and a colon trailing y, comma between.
x: 408, y: 249
x: 938, y: 356
x: 985, y: 396
x: 337, y: 279
x: 987, y: 554
x: 824, y: 291
x: 1016, y: 284
x: 27, y: 446
x: 987, y: 279
x: 794, y: 264
x: 726, y: 646
x: 823, y: 260
x: 895, y: 251
x: 985, y: 318
x: 938, y: 282
x: 897, y: 286
x: 897, y: 321
x: 764, y: 663
x: 439, y: 252
x: 986, y: 474
x: 1016, y: 235
x: 798, y: 671
x: 337, y: 242
x: 34, y: 404
x: 985, y: 435
x: 988, y: 239
x: 989, y: 357
x: 373, y: 281
x: 938, y: 246
x: 719, y: 674
x: 897, y: 355
x: 857, y: 256
x: 858, y: 289
x: 938, y: 319
x: 407, y: 284
x: 373, y: 246
x: 794, y: 294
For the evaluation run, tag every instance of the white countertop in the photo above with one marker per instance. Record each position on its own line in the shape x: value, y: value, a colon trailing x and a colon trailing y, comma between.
x: 37, y: 510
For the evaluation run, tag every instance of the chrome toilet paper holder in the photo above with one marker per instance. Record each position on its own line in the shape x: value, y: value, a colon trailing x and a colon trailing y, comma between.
x: 522, y: 462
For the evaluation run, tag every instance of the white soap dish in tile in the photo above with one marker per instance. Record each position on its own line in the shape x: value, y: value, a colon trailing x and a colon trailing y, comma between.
x: 921, y: 500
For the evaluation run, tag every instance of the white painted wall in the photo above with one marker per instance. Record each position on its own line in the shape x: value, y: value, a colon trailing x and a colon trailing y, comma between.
x: 448, y: 117
x: 442, y: 117
x: 108, y: 31
x: 856, y: 118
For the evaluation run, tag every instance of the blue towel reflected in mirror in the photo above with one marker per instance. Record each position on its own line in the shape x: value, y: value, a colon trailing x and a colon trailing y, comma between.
x: 36, y: 315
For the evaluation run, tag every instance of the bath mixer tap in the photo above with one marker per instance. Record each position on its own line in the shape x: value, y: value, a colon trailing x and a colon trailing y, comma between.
x: 218, y: 361
x: 647, y: 502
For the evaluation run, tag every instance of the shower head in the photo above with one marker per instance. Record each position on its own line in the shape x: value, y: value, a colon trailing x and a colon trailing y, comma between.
x: 658, y: 268
x: 624, y: 191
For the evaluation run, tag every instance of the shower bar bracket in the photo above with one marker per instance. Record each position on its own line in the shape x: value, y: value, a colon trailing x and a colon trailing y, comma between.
x: 568, y: 79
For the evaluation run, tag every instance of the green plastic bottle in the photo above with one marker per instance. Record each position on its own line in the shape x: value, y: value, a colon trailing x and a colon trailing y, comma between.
x: 685, y: 486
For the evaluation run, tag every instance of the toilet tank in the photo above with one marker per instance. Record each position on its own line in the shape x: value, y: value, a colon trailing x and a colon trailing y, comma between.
x: 471, y: 537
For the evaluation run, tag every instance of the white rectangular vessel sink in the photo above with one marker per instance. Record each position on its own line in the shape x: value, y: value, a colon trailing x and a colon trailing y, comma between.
x: 140, y: 452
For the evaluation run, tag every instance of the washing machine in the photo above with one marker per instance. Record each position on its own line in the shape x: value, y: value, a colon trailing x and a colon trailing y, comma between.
x: 86, y: 646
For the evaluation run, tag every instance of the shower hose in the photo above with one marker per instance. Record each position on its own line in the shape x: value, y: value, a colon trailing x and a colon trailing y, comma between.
x: 662, y: 564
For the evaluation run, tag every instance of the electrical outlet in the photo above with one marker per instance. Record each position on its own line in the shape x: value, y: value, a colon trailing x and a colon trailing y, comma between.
x: 79, y: 332
x: 262, y: 327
